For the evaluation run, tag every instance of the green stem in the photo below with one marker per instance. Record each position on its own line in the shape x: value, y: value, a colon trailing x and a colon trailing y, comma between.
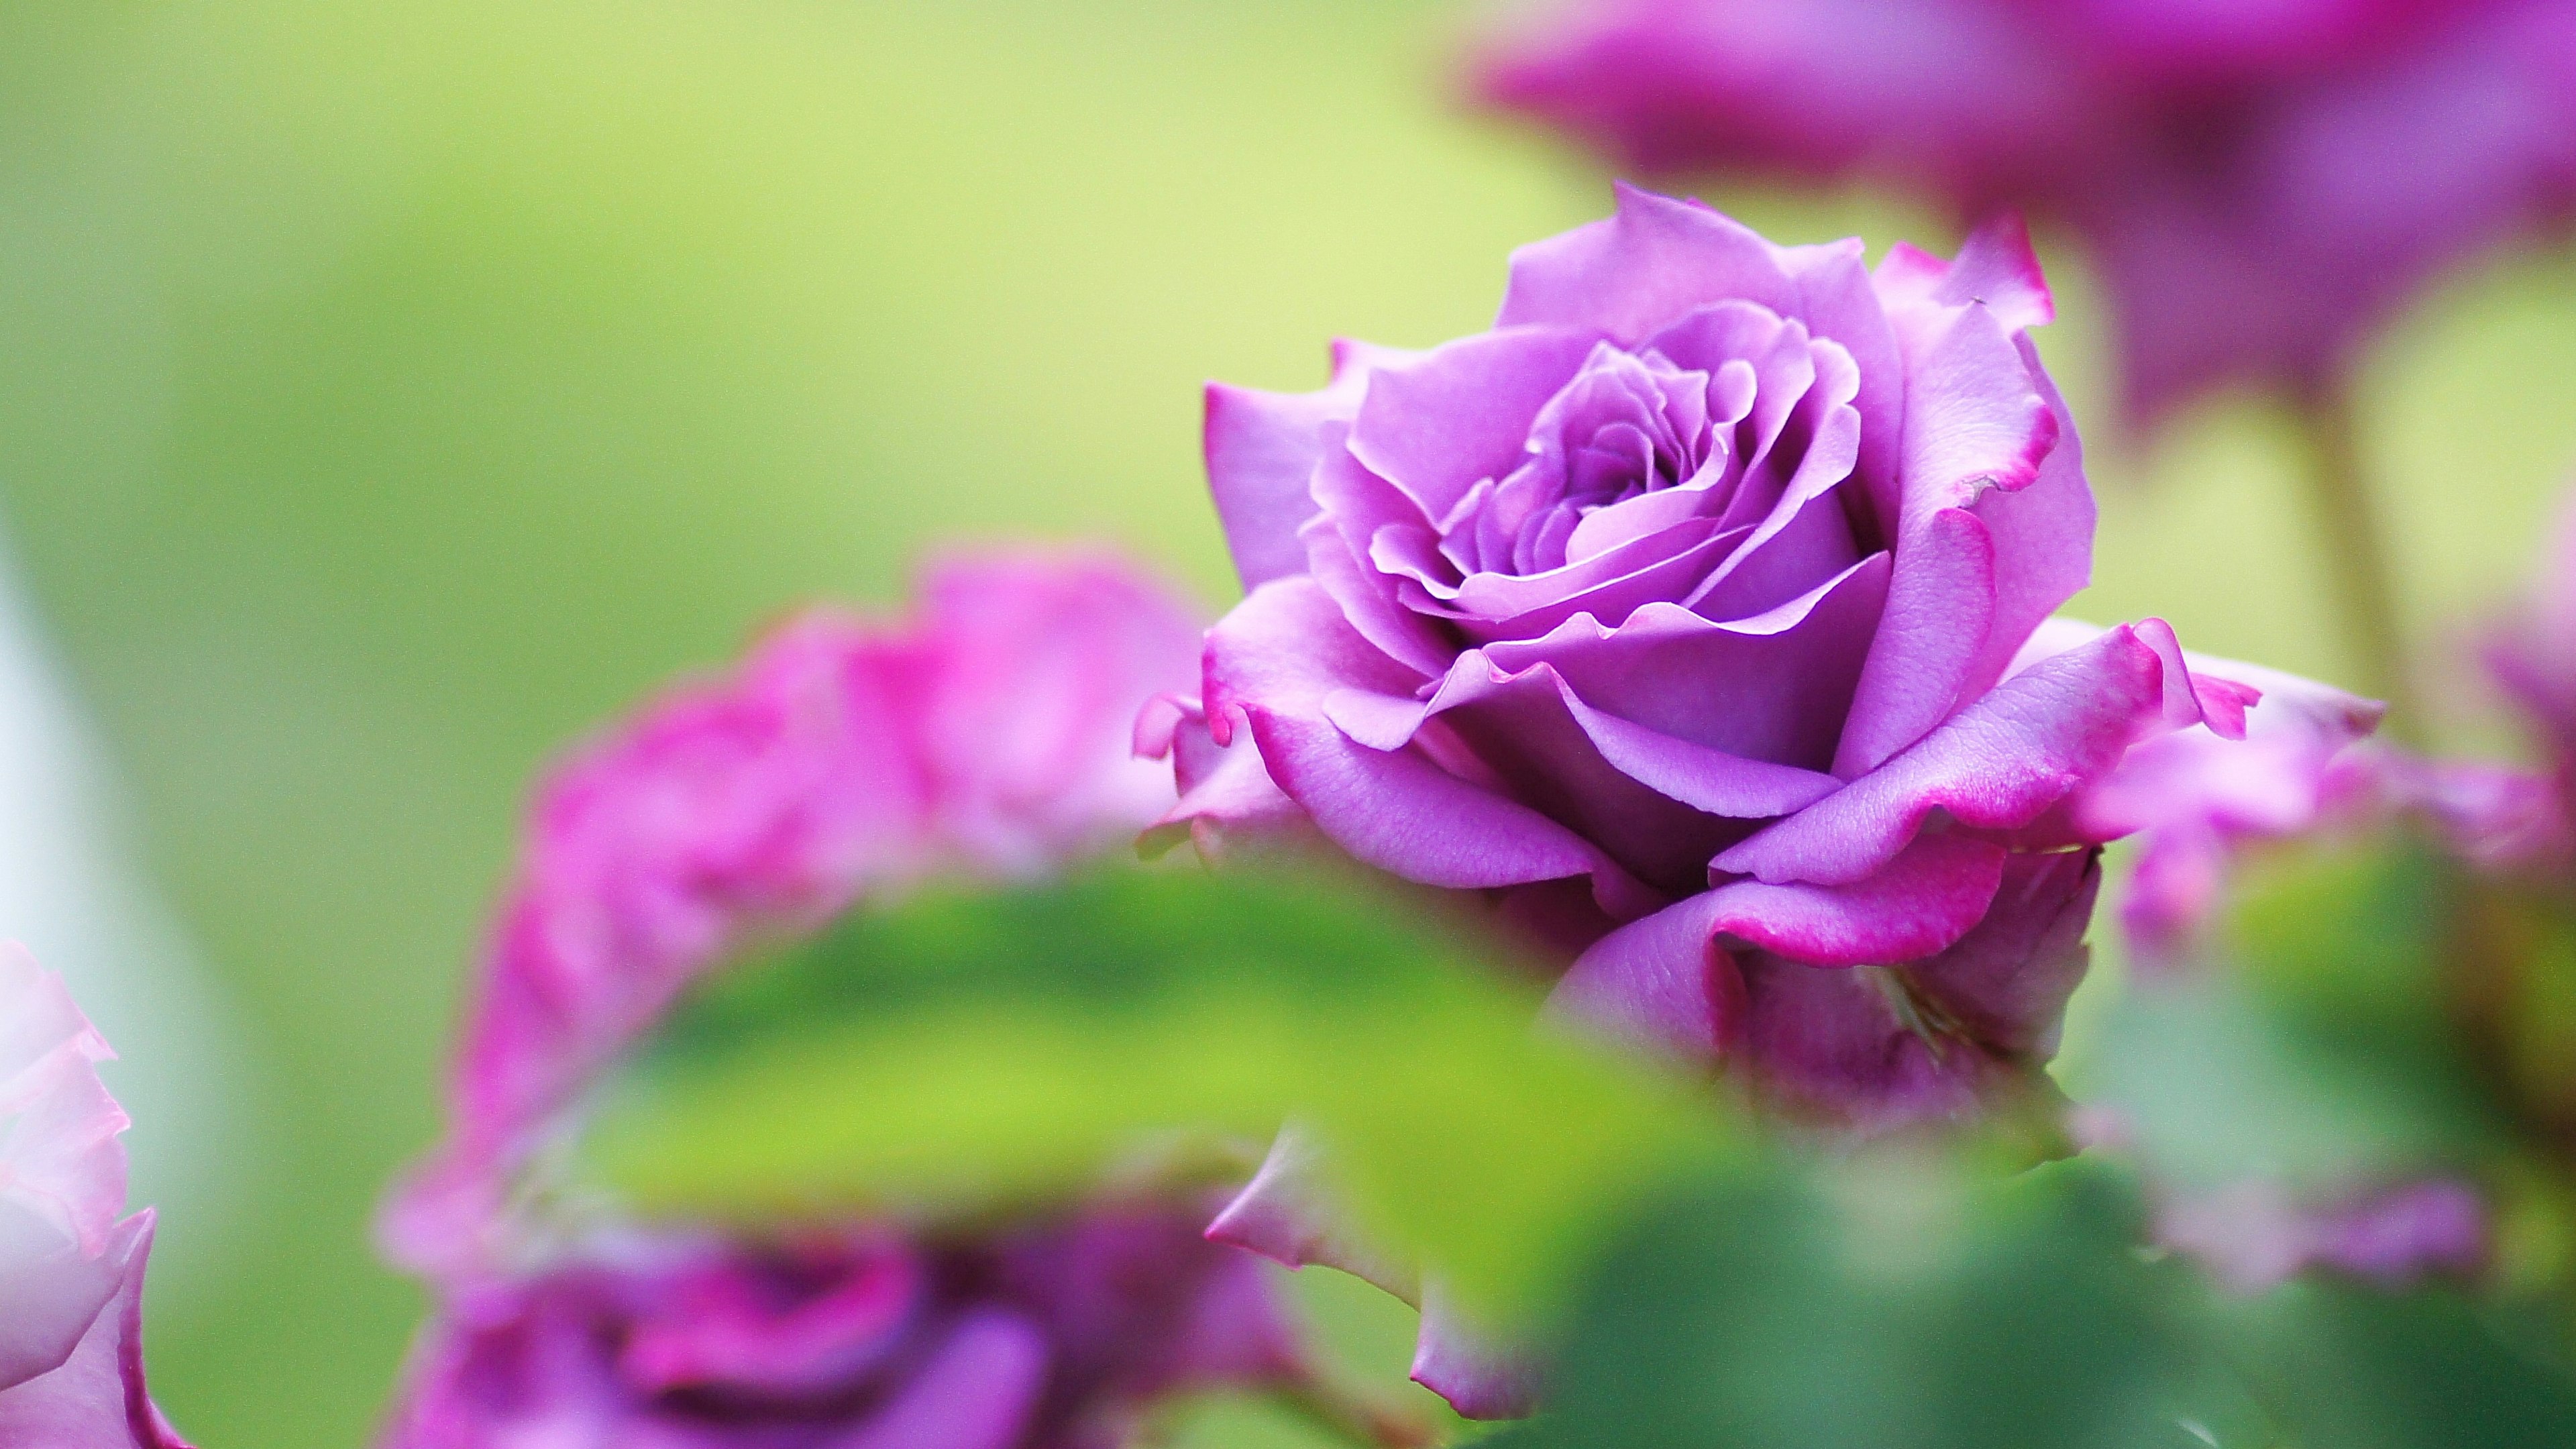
x: 2358, y: 575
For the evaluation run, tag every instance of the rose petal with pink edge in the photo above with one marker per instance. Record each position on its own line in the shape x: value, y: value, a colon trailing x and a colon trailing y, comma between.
x: 1999, y: 764
x: 96, y: 1398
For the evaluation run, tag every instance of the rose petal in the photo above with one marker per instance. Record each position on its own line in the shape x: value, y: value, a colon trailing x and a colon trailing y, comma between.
x: 1287, y: 1214
x: 1479, y: 1379
x: 1654, y: 260
x: 1434, y: 427
x: 1998, y: 764
x: 96, y: 1398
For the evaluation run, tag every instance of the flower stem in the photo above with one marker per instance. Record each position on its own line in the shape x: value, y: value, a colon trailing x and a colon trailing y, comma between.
x: 2358, y: 575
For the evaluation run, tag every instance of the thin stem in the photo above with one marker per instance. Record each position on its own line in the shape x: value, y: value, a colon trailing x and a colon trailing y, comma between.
x: 2358, y: 575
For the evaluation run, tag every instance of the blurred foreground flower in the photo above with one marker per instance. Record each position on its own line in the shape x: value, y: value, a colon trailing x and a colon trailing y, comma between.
x: 71, y: 1273
x: 988, y: 738
x: 2262, y: 185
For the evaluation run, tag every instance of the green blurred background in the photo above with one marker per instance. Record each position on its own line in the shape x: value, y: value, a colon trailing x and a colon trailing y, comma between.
x: 390, y: 391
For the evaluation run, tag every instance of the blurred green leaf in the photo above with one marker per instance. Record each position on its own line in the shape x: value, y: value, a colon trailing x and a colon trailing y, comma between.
x: 967, y: 1048
x: 1894, y: 1305
x: 2316, y: 1049
x: 2356, y: 1368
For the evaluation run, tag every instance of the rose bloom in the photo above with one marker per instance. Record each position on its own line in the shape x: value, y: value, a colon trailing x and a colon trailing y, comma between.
x: 71, y: 1263
x: 2261, y: 184
x: 1694, y: 614
x: 985, y: 737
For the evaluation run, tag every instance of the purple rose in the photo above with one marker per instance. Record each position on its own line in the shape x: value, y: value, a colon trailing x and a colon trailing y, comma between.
x: 1049, y: 1337
x: 988, y: 736
x: 71, y: 1263
x: 1689, y: 612
x: 2262, y: 185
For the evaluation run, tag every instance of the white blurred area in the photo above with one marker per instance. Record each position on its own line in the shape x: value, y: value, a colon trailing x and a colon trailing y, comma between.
x: 72, y: 890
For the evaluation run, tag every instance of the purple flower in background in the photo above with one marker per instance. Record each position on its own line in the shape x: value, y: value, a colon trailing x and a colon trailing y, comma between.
x: 2261, y: 184
x: 2534, y: 660
x: 2197, y: 800
x: 2256, y: 1236
x: 987, y: 736
x: 1045, y: 1337
x: 71, y: 1265
x: 1686, y: 612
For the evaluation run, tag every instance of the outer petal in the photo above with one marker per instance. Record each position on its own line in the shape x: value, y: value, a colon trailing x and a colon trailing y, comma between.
x: 1228, y: 800
x: 1652, y: 261
x: 1996, y: 269
x: 1260, y: 449
x: 1999, y: 764
x: 1405, y: 815
x: 1940, y: 611
x: 1871, y: 1048
x: 96, y: 1398
x: 1976, y: 424
x: 1286, y: 647
x: 1287, y: 1214
x: 60, y: 1160
x: 1479, y: 1379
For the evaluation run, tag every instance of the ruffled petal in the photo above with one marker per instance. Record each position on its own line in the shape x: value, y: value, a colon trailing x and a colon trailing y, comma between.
x: 61, y: 1163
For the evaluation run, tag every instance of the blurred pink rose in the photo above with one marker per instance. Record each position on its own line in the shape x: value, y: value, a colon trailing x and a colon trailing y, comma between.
x: 986, y: 736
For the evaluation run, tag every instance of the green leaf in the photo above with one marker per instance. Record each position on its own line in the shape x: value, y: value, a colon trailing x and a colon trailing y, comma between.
x: 2355, y: 1368
x: 969, y: 1048
x: 2318, y: 1048
x: 1893, y: 1303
